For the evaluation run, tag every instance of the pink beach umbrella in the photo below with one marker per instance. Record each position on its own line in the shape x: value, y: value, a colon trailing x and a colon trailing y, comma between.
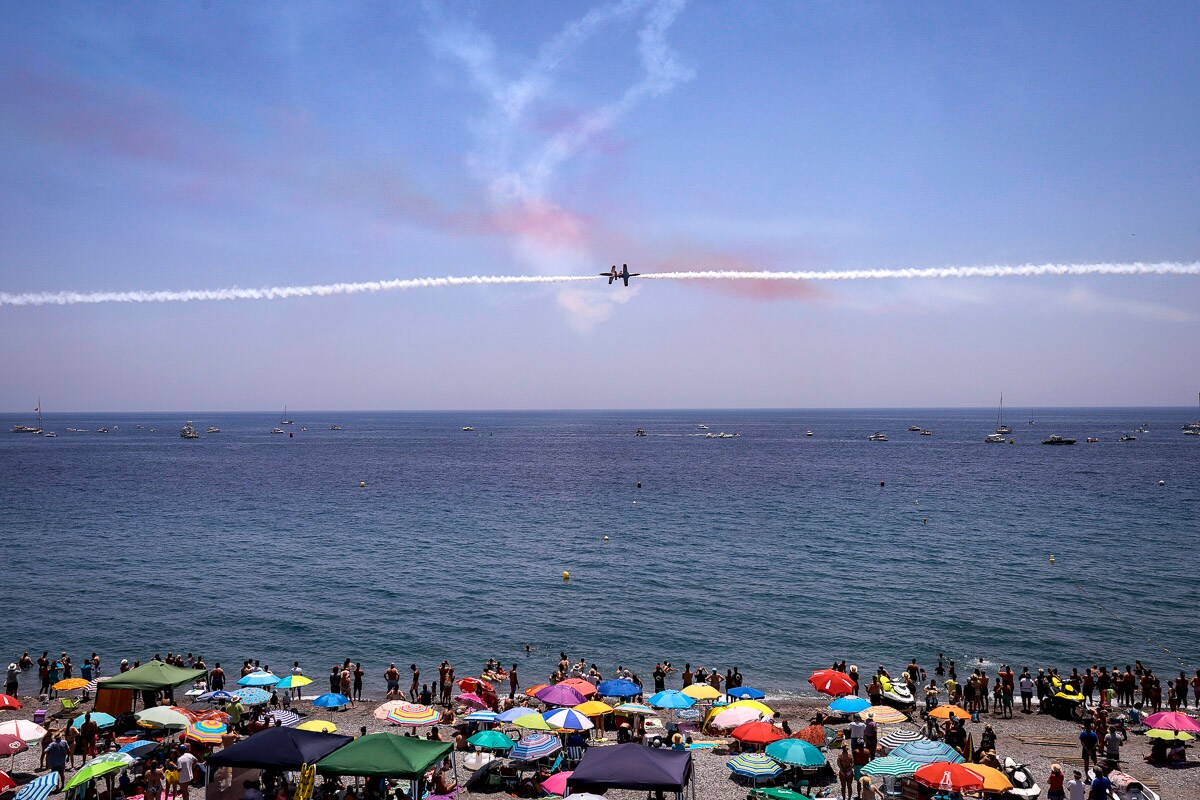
x: 471, y: 699
x: 557, y: 783
x: 1172, y: 721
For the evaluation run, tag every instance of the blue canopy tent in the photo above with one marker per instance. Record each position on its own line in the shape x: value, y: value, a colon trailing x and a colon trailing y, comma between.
x: 632, y: 766
x: 273, y: 749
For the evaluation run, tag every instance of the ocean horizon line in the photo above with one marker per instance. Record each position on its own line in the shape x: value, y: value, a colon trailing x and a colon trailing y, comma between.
x: 606, y: 409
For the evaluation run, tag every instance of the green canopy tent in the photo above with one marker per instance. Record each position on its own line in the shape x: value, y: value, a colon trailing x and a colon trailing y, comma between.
x: 115, y: 695
x: 386, y: 755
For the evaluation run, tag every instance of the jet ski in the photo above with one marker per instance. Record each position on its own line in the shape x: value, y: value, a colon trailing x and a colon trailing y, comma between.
x: 896, y: 695
x: 1126, y: 787
x: 1022, y: 780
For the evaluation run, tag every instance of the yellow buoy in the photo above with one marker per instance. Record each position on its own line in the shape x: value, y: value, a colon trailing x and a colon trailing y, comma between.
x: 362, y: 484
x: 566, y: 575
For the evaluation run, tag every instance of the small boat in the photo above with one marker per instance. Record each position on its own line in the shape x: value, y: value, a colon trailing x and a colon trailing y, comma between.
x: 702, y: 427
x: 51, y: 435
x: 877, y: 437
x: 1089, y: 440
x: 188, y: 431
x: 1194, y: 432
x: 101, y: 430
x: 808, y: 433
x: 277, y: 430
x: 926, y: 433
x: 1058, y: 440
x: 914, y: 427
x: 153, y: 431
x: 1127, y: 438
x: 31, y: 428
x: 1000, y: 426
x: 335, y: 427
x: 994, y: 438
x: 76, y: 430
x: 283, y: 420
x: 1187, y: 426
x: 642, y: 432
x: 468, y: 428
x: 213, y: 429
x: 724, y: 435
x: 896, y: 695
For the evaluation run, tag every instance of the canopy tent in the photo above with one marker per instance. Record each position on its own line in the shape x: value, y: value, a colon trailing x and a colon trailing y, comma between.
x: 385, y: 755
x: 632, y: 766
x: 154, y: 675
x: 279, y: 748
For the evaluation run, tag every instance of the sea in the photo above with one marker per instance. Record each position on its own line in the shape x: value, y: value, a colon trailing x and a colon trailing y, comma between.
x: 405, y: 538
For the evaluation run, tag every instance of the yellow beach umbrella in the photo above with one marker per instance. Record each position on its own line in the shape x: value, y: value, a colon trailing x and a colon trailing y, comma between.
x: 770, y: 712
x: 884, y: 715
x: 593, y: 708
x: 994, y: 780
x: 532, y: 722
x: 944, y: 712
x: 318, y: 725
x: 701, y: 691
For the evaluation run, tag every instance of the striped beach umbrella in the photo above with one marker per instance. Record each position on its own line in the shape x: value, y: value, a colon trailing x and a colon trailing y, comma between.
x: 259, y: 678
x: 891, y: 765
x: 39, y: 788
x: 252, y: 696
x: 567, y: 719
x: 481, y: 716
x: 208, y: 731
x: 928, y: 752
x: 754, y: 765
x: 635, y: 708
x: 139, y: 748
x: 670, y: 699
x: 97, y: 767
x: 534, y: 746
x: 796, y: 752
x: 413, y: 715
x: 849, y: 705
x: 285, y: 718
x: 215, y: 697
x: 293, y: 682
x: 532, y: 721
x: 899, y: 736
x: 883, y: 715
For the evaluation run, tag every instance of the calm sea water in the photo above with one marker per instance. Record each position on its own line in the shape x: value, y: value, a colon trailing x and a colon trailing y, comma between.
x: 772, y: 551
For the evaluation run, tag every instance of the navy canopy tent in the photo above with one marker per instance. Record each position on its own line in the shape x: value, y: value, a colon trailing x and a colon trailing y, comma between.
x: 632, y: 766
x: 279, y: 748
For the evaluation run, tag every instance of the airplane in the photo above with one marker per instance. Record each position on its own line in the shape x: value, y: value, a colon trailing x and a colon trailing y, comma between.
x: 624, y: 274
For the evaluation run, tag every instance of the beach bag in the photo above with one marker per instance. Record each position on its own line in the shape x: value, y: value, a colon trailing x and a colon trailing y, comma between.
x: 974, y: 716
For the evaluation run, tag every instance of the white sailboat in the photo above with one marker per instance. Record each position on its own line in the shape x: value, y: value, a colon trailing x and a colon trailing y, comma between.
x: 1000, y: 426
x: 283, y: 420
x: 31, y: 428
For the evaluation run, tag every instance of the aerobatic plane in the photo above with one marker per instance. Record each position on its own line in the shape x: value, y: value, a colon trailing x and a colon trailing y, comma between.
x: 624, y: 274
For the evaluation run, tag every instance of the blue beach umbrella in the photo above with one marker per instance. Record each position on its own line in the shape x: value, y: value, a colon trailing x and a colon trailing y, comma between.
x: 331, y: 700
x: 618, y: 687
x: 253, y: 697
x: 99, y: 717
x: 927, y: 752
x: 39, y: 788
x: 796, y: 752
x: 258, y: 679
x: 215, y: 697
x: 567, y: 719
x: 671, y: 699
x: 139, y: 748
x: 535, y: 746
x: 753, y: 765
x: 481, y: 716
x: 850, y: 704
x: 746, y: 693
x: 513, y: 714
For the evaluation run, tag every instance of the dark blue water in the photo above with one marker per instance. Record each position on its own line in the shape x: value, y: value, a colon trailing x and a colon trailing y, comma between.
x: 772, y: 551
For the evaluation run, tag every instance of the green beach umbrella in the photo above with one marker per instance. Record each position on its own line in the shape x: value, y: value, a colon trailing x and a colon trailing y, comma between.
x: 162, y: 717
x: 491, y: 740
x: 1170, y: 736
x: 532, y: 722
x: 99, y: 767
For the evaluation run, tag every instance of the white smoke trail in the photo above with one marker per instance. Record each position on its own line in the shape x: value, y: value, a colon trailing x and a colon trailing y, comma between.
x: 370, y: 287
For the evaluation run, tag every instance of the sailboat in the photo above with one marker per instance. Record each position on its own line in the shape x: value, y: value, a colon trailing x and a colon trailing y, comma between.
x: 284, y: 420
x: 31, y: 428
x: 1193, y: 428
x: 1000, y: 426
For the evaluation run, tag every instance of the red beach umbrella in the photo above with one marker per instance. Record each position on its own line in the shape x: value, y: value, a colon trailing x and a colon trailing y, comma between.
x: 473, y: 684
x: 813, y: 734
x: 533, y: 690
x: 949, y: 777
x: 757, y: 733
x: 8, y: 701
x: 11, y: 745
x: 585, y: 688
x: 831, y: 682
x: 6, y: 782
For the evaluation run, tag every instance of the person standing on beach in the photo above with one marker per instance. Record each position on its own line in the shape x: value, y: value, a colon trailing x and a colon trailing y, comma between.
x: 861, y: 757
x: 414, y: 685
x: 448, y: 687
x: 10, y: 681
x: 56, y: 758
x: 1027, y: 685
x: 296, y: 672
x: 392, y: 676
x: 853, y: 675
x: 660, y: 678
x: 686, y: 676
x: 359, y: 673
x: 443, y: 677
x: 845, y: 764
x: 216, y: 678
x: 513, y: 683
x: 1088, y: 740
x: 346, y: 683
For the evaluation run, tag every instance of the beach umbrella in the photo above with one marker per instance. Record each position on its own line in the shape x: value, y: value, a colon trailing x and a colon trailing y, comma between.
x: 318, y: 725
x: 944, y: 712
x: 214, y: 697
x: 557, y: 783
x: 927, y: 752
x: 701, y: 691
x: 71, y: 684
x: 891, y: 765
x: 162, y: 717
x: 10, y: 745
x: 98, y: 767
x: 567, y: 719
x: 757, y: 733
x: 474, y: 685
x: 765, y: 709
x: 671, y: 699
x: 6, y: 782
x: 949, y: 776
x: 849, y: 705
x: 208, y: 731
x: 285, y: 718
x: 994, y: 781
x: 753, y: 765
x: 292, y: 682
x: 532, y: 721
x: 795, y: 752
x: 381, y: 713
x: 618, y: 687
x: 813, y: 734
x: 560, y: 695
x: 1170, y: 736
x: 139, y: 748
x: 513, y: 714
x: 899, y: 736
x: 831, y: 682
x: 491, y: 740
x: 259, y: 678
x: 1172, y: 721
x: 413, y: 714
x: 331, y: 700
x: 471, y: 699
x: 7, y: 701
x: 884, y: 715
x: 252, y: 696
x: 533, y: 690
x: 39, y: 788
x: 635, y: 708
x: 101, y: 719
x: 585, y: 688
x: 594, y: 708
x: 23, y: 729
x: 730, y: 718
x: 745, y: 693
x: 481, y: 716
x: 534, y: 746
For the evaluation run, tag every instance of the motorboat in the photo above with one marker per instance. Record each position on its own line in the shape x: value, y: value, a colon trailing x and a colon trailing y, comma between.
x: 335, y: 427
x: 1195, y: 432
x: 51, y: 435
x: 877, y: 437
x: 467, y: 428
x: 994, y: 438
x: 1055, y: 439
x: 76, y: 430
x: 723, y: 435
x: 101, y: 430
x: 895, y: 694
x: 926, y: 433
x: 914, y: 427
x: 1091, y: 440
x: 808, y: 433
x: 642, y: 432
x: 189, y: 431
x: 702, y: 427
x: 1127, y: 438
x: 1021, y: 777
x: 213, y: 429
x: 277, y: 430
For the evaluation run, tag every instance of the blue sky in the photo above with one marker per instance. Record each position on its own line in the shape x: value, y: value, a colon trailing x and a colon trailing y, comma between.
x: 204, y: 145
